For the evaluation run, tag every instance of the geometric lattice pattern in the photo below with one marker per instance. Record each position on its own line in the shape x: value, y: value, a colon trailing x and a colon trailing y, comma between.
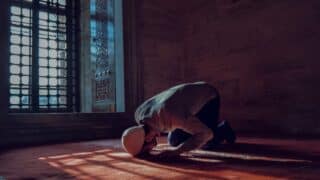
x: 20, y: 57
x: 43, y: 53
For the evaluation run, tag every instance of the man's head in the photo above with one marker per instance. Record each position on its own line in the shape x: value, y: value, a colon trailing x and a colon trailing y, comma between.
x: 139, y: 139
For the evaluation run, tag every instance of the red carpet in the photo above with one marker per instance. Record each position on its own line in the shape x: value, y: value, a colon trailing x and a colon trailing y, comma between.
x: 249, y: 159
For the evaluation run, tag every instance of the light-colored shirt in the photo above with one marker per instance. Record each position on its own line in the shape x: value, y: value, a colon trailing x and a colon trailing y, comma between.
x: 176, y: 107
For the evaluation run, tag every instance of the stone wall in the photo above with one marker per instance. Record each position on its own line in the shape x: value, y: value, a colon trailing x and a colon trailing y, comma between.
x: 159, y: 46
x: 264, y: 58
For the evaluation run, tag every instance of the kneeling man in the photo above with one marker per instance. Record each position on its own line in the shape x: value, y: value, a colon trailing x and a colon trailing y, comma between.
x: 188, y: 112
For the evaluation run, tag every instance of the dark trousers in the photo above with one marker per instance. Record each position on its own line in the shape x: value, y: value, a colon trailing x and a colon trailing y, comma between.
x: 209, y: 115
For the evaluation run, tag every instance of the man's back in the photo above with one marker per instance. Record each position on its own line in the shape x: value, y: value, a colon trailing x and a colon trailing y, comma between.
x: 177, y: 102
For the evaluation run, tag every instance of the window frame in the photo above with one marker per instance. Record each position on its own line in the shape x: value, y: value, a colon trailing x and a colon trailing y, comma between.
x: 21, y: 129
x: 133, y: 83
x: 4, y: 51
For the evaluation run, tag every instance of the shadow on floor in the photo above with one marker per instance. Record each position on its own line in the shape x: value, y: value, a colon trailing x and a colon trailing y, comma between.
x: 245, y: 154
x: 262, y: 149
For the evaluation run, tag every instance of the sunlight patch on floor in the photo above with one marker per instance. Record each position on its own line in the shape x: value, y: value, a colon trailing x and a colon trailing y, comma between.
x: 107, y: 163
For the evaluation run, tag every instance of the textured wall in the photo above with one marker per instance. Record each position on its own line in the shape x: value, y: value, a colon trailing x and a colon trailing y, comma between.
x: 262, y: 55
x: 159, y: 40
x: 264, y: 58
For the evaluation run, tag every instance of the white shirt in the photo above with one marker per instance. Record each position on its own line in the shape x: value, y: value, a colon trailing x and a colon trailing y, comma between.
x: 176, y: 108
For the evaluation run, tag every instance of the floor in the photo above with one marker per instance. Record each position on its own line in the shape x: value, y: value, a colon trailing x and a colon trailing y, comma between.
x: 250, y: 158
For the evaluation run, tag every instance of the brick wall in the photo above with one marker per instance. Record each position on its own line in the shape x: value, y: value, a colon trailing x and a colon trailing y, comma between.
x: 264, y: 58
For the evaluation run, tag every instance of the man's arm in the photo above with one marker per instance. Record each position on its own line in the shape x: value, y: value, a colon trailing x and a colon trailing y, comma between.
x: 201, y: 134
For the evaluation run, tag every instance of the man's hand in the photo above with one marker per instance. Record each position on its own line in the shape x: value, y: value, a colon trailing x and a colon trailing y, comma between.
x: 167, y: 154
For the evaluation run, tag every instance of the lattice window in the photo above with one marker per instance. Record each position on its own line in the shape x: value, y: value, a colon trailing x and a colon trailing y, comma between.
x: 43, y: 53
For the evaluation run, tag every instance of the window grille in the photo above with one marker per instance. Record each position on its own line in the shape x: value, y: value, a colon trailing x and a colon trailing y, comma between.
x: 43, y: 54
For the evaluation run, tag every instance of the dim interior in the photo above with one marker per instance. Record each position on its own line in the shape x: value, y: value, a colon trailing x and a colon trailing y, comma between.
x: 74, y: 72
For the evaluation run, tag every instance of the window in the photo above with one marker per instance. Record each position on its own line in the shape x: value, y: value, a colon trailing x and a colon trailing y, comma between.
x: 43, y: 53
x: 103, y: 65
